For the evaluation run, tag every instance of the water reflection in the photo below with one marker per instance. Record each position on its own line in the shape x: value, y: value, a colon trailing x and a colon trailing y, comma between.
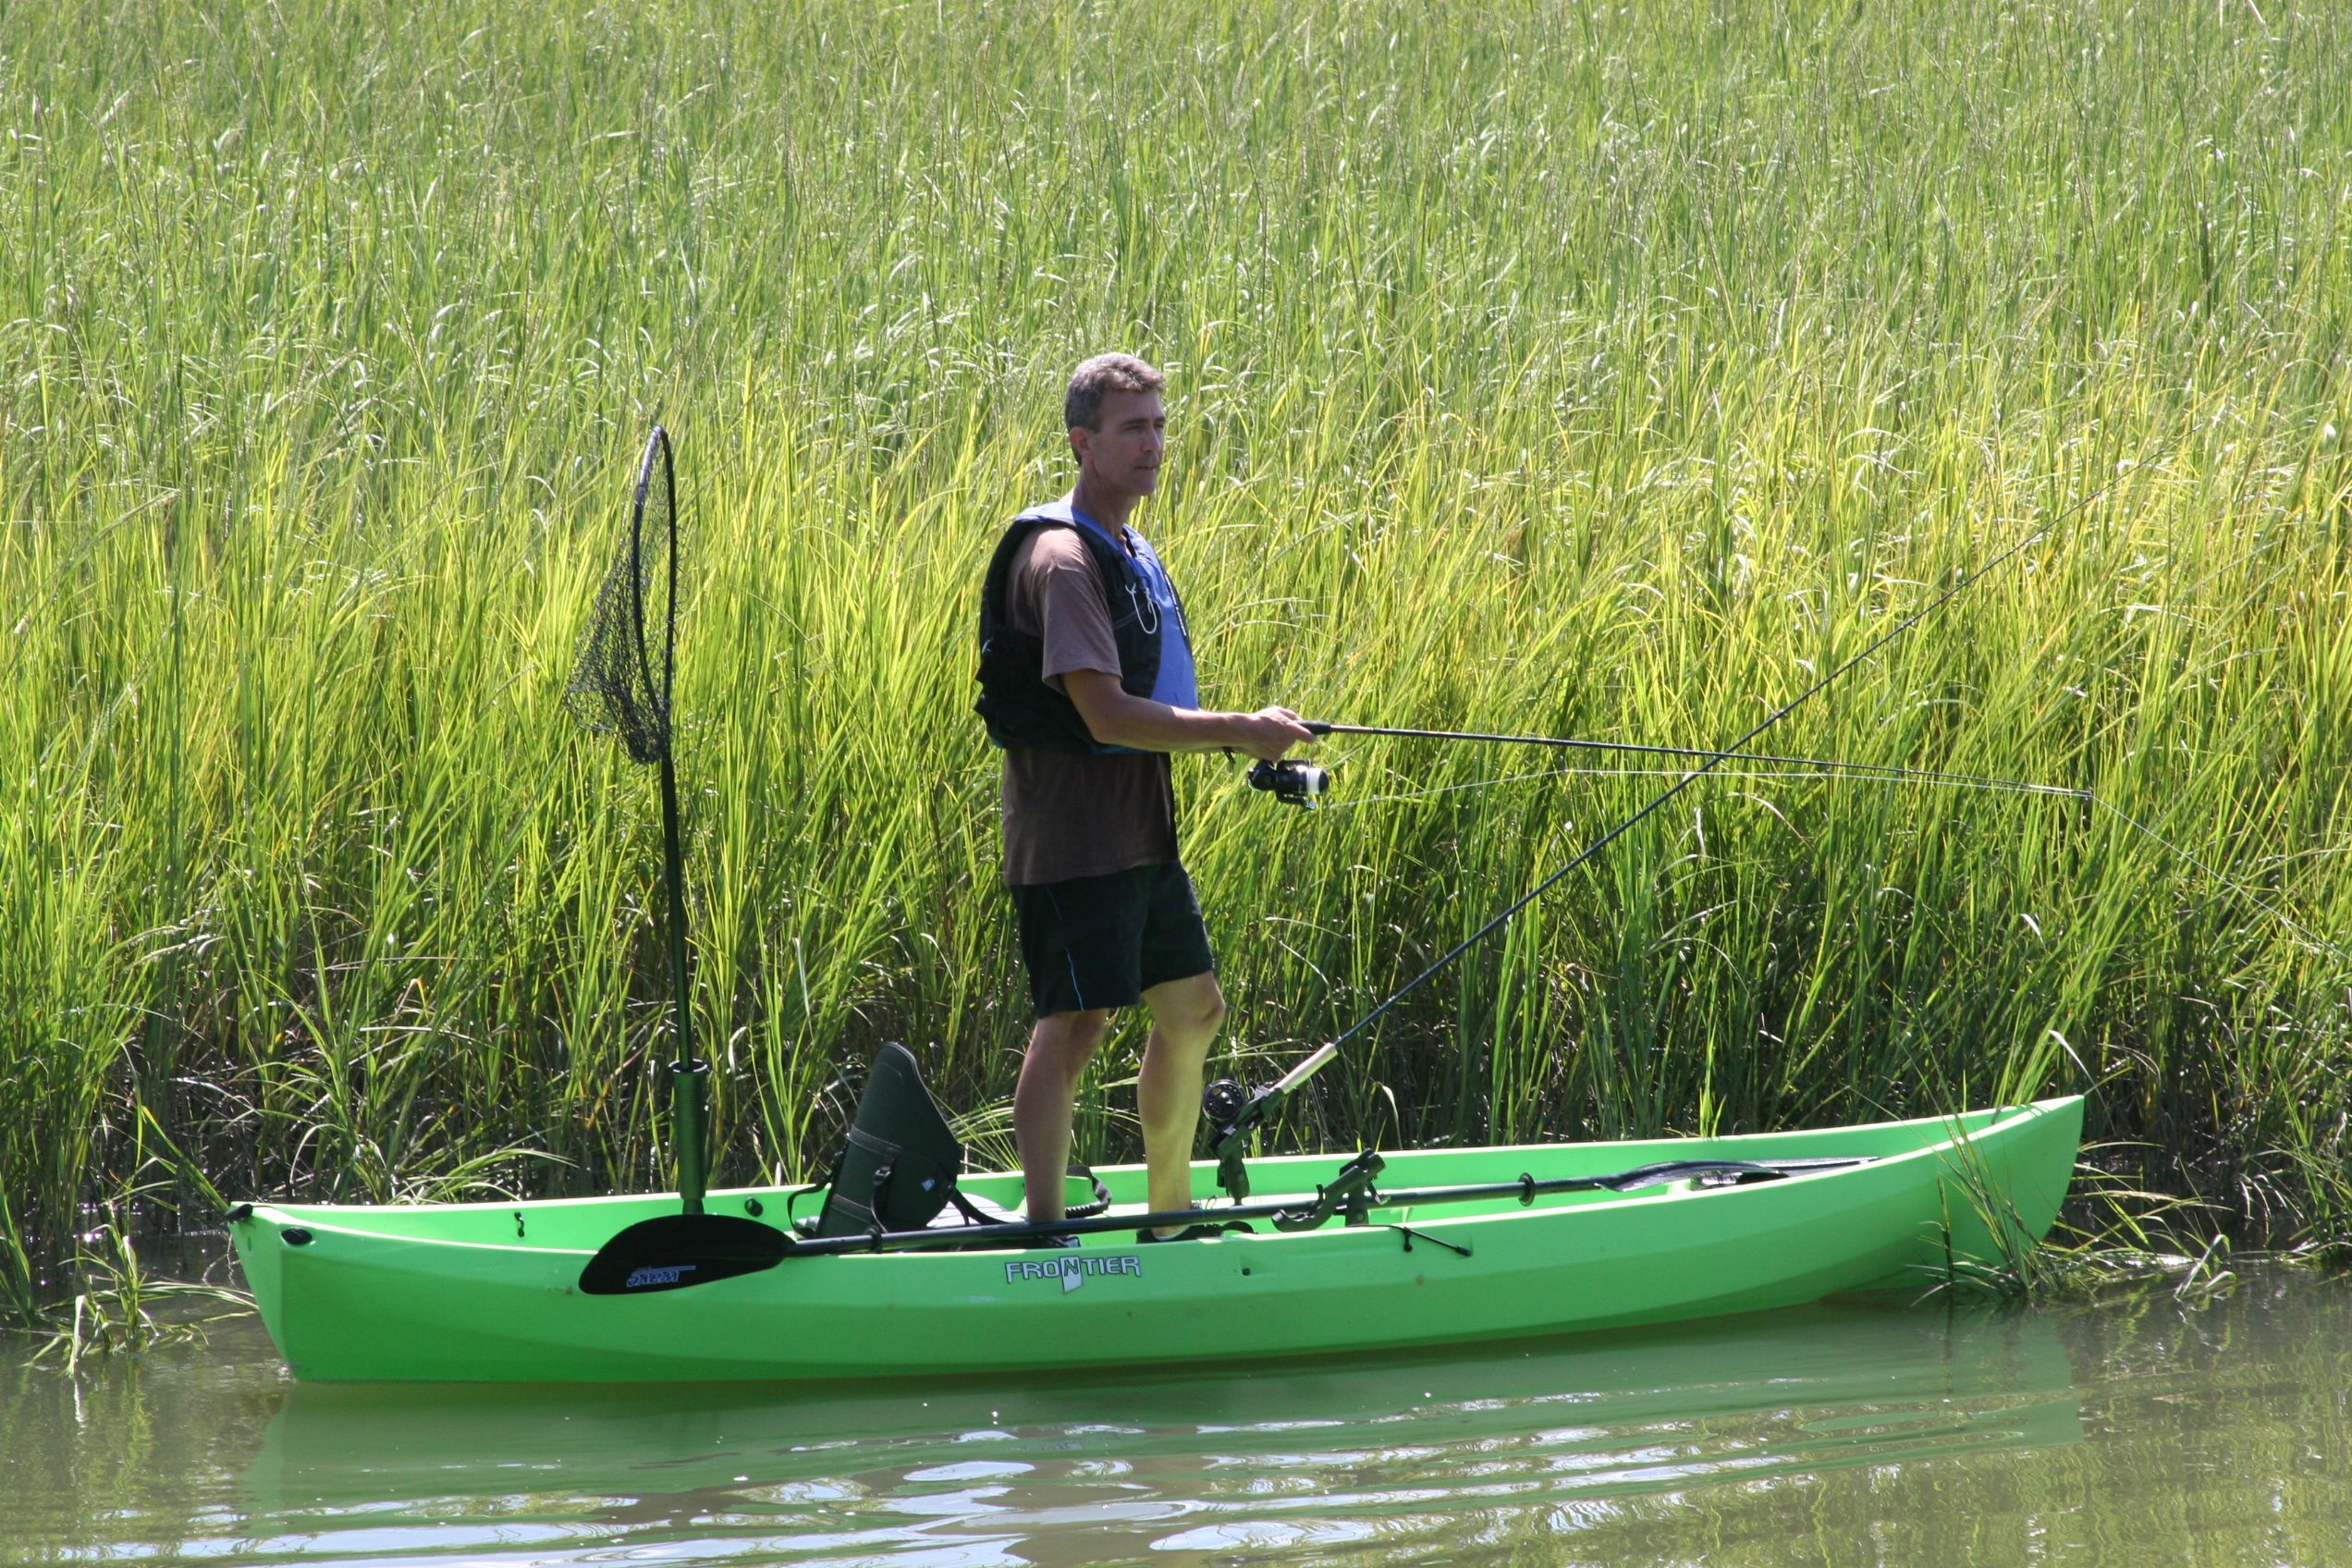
x: 2132, y: 1431
x: 1397, y: 1455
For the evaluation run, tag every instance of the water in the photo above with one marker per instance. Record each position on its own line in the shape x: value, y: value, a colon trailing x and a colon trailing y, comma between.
x: 2135, y: 1430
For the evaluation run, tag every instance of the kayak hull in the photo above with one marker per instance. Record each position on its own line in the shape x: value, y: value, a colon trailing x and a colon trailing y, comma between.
x: 490, y: 1292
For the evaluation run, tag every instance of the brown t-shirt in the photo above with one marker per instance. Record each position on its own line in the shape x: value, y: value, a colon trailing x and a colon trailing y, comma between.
x: 1070, y: 814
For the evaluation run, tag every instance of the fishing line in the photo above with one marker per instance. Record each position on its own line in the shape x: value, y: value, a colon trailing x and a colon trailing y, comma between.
x: 1867, y: 773
x: 1306, y: 1069
x: 2231, y: 883
x: 1637, y: 748
x: 1302, y: 784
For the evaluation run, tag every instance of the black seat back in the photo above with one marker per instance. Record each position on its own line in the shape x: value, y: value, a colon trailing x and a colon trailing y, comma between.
x: 901, y: 1160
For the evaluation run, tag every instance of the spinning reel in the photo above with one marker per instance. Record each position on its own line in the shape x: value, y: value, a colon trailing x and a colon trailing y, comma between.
x: 1293, y: 783
x: 1234, y: 1110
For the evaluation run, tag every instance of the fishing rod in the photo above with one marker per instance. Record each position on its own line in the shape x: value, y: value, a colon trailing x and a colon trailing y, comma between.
x: 1306, y: 784
x: 1236, y: 1110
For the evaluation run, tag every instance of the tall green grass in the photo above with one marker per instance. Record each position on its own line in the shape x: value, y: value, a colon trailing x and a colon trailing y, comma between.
x: 1604, y: 371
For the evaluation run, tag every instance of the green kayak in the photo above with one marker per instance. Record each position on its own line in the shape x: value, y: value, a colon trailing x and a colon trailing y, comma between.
x: 495, y: 1292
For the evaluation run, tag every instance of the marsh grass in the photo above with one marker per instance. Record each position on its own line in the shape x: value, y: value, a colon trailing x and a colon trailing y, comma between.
x: 1590, y: 371
x: 118, y: 1306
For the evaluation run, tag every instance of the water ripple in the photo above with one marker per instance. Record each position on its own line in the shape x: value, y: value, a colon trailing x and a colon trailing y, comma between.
x: 1611, y: 1448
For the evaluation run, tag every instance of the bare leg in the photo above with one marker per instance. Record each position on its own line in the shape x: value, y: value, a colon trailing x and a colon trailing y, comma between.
x: 1059, y: 1048
x: 1186, y: 1014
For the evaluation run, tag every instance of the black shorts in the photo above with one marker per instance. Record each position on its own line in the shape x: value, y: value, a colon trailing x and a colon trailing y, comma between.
x: 1103, y: 942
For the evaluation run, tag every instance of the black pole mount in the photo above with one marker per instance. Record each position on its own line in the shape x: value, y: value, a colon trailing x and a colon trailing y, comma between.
x: 689, y: 1113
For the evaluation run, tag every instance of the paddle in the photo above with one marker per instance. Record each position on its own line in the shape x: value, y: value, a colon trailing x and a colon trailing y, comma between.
x: 674, y: 1252
x: 619, y: 688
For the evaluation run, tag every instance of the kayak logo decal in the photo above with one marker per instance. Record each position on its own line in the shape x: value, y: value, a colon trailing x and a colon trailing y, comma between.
x: 656, y: 1274
x: 1071, y: 1269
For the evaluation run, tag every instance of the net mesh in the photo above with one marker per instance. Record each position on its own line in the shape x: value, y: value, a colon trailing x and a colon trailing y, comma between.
x: 620, y: 682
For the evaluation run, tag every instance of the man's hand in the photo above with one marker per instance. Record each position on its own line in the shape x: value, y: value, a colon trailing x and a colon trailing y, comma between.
x: 1269, y: 732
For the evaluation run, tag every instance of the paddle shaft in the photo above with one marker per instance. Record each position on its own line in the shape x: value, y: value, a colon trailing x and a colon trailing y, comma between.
x: 1526, y: 1189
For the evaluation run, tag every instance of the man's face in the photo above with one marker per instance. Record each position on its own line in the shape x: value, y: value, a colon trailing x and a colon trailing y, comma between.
x: 1123, y: 454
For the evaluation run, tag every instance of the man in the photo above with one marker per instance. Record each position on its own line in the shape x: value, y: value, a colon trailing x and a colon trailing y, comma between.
x: 1087, y: 682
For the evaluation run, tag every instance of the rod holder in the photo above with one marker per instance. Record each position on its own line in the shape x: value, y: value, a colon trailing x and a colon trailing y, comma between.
x: 688, y: 1104
x: 1234, y: 1111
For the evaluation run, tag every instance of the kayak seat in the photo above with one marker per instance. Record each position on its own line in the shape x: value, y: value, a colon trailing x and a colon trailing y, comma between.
x: 898, y: 1169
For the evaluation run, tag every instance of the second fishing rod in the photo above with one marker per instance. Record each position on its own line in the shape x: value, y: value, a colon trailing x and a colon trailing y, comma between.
x: 1234, y: 1111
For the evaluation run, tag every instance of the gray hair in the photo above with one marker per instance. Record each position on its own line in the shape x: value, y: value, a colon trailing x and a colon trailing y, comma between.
x: 1081, y: 405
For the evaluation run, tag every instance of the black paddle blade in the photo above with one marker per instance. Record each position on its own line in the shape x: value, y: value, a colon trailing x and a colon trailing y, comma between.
x: 671, y: 1252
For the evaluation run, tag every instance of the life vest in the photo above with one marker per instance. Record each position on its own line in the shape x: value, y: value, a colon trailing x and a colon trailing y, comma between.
x: 1147, y: 620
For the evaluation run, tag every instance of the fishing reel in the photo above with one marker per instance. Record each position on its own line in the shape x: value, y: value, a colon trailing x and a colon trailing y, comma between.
x: 1293, y: 783
x: 1234, y: 1109
x: 1222, y: 1102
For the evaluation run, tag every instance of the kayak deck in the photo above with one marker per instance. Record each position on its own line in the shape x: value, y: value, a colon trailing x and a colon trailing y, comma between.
x: 491, y: 1291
